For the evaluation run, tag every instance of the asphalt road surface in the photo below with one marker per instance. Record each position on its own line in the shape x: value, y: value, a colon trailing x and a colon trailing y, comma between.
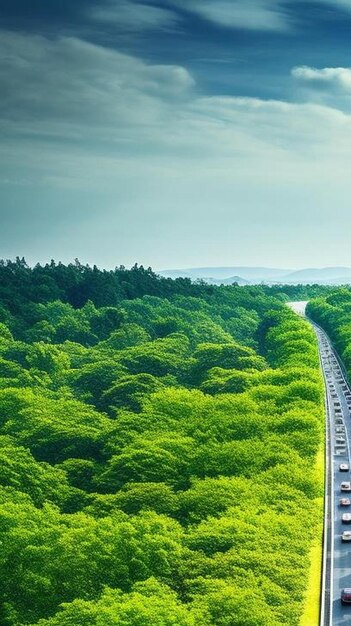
x: 337, y: 552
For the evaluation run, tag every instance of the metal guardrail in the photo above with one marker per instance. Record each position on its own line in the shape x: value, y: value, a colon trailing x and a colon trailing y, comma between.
x: 326, y: 599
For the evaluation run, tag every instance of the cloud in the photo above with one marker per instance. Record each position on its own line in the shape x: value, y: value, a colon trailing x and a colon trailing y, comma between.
x: 343, y: 4
x: 138, y: 163
x: 256, y: 15
x: 329, y: 86
x: 74, y: 113
x: 336, y: 79
x: 48, y: 83
x: 266, y: 15
x: 128, y: 15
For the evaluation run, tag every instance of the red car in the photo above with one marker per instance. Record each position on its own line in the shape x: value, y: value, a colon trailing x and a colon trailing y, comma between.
x: 346, y: 596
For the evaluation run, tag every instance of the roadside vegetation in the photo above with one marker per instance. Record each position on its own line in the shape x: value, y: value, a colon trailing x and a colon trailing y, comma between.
x: 333, y: 313
x: 159, y: 444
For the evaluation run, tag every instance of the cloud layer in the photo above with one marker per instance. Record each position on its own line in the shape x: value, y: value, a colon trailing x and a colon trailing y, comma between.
x: 267, y: 15
x: 128, y: 15
x: 139, y: 140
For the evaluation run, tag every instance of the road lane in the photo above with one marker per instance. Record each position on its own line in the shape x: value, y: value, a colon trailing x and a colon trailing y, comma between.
x: 338, y: 553
x: 339, y: 400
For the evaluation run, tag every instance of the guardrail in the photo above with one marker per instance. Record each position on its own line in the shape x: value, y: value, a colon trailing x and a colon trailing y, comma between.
x: 326, y: 596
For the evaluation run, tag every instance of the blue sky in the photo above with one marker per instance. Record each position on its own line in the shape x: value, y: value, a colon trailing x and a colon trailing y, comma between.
x: 176, y: 133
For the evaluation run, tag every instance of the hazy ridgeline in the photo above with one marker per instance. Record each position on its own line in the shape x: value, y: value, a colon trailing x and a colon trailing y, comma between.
x: 158, y: 450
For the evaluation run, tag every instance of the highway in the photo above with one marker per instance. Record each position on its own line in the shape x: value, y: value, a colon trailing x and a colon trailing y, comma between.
x: 337, y: 554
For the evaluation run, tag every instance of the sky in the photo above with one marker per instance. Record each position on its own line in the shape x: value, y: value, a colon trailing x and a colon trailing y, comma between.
x: 176, y: 133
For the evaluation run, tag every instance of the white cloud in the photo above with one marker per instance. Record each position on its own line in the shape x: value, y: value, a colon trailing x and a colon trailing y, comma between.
x: 257, y: 15
x: 77, y: 112
x: 46, y: 83
x: 270, y: 15
x: 328, y: 86
x: 153, y: 165
x: 337, y: 79
x: 133, y: 16
x: 261, y: 15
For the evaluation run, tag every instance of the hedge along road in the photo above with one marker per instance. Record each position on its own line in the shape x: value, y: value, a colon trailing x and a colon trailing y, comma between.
x: 337, y: 553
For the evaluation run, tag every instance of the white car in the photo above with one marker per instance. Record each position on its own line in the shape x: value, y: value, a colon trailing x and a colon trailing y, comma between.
x: 345, y: 486
x: 344, y: 467
x: 340, y: 440
x: 346, y: 536
x: 346, y: 518
x: 344, y: 501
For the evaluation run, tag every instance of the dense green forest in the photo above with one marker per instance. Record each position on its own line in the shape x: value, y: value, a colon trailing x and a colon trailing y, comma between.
x: 332, y: 312
x: 158, y: 450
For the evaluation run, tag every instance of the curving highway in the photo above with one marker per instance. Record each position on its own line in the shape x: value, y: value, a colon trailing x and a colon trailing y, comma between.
x: 337, y: 553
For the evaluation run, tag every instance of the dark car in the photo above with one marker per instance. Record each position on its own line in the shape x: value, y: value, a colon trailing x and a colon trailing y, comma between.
x: 346, y: 596
x: 345, y: 486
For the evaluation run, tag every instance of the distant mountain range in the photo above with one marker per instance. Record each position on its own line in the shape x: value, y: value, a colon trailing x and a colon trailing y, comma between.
x: 268, y: 276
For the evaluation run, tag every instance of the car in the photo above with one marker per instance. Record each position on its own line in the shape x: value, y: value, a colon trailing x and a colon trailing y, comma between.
x: 344, y: 467
x: 345, y: 596
x: 346, y: 536
x: 345, y: 486
x: 340, y: 440
x: 338, y: 420
x: 344, y: 501
x: 346, y: 518
x: 340, y: 429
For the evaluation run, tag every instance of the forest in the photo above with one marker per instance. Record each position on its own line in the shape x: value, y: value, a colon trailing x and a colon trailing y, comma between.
x: 158, y: 448
x: 332, y: 313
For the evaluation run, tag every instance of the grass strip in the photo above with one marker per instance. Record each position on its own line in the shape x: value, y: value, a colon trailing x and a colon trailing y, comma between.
x: 310, y: 615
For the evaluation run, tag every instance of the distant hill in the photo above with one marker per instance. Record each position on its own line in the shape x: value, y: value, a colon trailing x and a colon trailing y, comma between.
x: 245, y: 274
x: 225, y: 281
x: 257, y: 275
x: 326, y: 275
